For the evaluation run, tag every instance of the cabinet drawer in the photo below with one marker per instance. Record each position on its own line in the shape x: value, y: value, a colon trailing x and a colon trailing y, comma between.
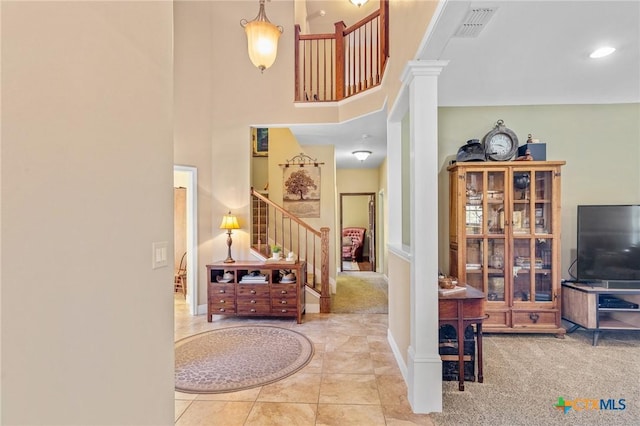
x: 253, y: 290
x: 532, y: 319
x: 283, y: 290
x: 218, y: 289
x: 496, y: 318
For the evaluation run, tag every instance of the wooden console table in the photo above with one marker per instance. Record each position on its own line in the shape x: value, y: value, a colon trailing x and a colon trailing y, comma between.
x: 461, y: 310
x: 242, y: 295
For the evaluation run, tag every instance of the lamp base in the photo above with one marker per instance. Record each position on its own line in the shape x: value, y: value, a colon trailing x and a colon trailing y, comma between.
x: 229, y: 260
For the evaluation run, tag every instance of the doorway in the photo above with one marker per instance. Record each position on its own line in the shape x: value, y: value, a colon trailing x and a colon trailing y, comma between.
x: 357, y: 213
x: 187, y: 177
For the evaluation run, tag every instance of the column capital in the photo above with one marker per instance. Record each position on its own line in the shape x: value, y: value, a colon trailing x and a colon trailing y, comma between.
x: 425, y: 68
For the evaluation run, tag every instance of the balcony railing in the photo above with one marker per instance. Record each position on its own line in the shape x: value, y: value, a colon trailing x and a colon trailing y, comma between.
x: 332, y: 67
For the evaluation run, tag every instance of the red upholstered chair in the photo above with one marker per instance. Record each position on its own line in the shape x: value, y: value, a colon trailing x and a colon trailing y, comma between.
x: 352, y: 243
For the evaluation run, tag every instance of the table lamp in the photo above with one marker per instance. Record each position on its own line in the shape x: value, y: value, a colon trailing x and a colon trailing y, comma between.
x: 229, y: 222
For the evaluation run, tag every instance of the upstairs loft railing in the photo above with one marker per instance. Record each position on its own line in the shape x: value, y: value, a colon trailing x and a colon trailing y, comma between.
x: 273, y: 225
x: 332, y: 67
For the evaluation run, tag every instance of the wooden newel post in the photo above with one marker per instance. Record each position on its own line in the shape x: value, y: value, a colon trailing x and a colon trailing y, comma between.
x: 325, y: 291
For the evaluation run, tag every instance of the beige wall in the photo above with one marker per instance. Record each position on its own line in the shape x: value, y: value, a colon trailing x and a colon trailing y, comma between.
x: 400, y: 303
x: 600, y: 143
x: 87, y: 177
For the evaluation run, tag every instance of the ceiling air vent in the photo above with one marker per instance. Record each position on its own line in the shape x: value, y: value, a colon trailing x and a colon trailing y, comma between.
x: 474, y: 21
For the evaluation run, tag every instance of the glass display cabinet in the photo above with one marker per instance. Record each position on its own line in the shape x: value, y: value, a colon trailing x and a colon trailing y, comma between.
x: 504, y: 240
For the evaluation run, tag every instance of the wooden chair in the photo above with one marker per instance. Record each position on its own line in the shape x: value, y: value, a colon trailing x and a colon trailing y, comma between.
x: 180, y: 277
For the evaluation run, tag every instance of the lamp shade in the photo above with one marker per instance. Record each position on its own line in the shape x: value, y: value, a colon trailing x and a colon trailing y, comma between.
x: 262, y: 39
x: 362, y: 155
x: 229, y: 221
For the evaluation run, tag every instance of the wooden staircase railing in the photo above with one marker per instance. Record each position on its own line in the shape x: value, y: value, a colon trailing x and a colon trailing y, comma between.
x: 273, y: 225
x: 332, y: 67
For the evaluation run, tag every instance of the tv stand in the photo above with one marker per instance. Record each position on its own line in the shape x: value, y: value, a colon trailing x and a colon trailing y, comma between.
x: 586, y: 306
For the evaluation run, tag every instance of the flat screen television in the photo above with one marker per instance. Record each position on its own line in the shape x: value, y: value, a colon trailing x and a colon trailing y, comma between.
x: 609, y: 244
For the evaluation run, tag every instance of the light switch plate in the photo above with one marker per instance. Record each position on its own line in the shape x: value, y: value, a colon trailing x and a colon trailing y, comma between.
x: 159, y: 254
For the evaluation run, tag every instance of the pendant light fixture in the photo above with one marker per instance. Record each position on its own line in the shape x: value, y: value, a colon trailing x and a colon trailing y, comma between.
x: 262, y: 39
x: 362, y: 154
x: 358, y: 2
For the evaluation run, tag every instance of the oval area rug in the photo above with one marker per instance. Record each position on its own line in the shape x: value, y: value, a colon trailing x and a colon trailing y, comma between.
x: 236, y: 358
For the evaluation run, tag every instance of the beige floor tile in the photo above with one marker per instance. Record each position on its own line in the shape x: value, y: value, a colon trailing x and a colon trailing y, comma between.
x: 343, y: 415
x: 315, y: 365
x: 401, y: 415
x: 185, y: 396
x: 285, y: 414
x: 347, y: 362
x: 244, y: 395
x: 299, y: 387
x: 214, y: 413
x: 392, y: 390
x: 346, y: 343
x: 349, y: 389
x: 378, y: 344
x: 180, y: 406
x: 384, y: 363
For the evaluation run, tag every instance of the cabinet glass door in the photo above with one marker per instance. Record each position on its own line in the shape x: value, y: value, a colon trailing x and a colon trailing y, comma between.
x: 522, y: 266
x: 543, y: 196
x: 474, y: 213
x: 495, y: 203
x: 495, y: 270
x: 474, y: 255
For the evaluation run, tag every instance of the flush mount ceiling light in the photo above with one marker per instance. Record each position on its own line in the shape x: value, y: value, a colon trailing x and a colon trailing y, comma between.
x: 262, y: 39
x: 358, y: 2
x: 602, y: 52
x: 361, y: 155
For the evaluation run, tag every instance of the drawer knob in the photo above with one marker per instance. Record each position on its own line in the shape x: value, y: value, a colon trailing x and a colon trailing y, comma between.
x: 283, y: 291
x: 221, y: 291
x: 284, y: 302
x: 253, y: 292
x: 253, y: 301
x: 253, y: 310
x: 222, y: 309
x: 534, y: 317
x: 222, y: 301
x: 284, y: 311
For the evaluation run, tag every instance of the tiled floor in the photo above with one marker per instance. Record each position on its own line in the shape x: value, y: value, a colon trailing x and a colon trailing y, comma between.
x: 352, y: 379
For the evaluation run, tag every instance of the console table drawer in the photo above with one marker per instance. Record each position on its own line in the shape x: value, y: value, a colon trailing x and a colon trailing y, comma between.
x: 218, y: 289
x: 254, y: 306
x: 283, y: 290
x: 222, y: 307
x: 253, y: 290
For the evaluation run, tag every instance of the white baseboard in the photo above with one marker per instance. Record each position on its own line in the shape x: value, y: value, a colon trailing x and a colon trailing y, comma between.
x: 397, y: 355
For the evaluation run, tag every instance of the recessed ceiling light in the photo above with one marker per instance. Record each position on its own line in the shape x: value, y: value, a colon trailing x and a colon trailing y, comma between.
x: 602, y: 52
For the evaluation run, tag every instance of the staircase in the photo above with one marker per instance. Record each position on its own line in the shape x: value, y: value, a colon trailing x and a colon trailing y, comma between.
x: 273, y: 225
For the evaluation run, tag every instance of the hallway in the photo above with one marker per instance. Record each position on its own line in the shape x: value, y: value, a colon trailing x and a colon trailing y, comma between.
x: 352, y: 378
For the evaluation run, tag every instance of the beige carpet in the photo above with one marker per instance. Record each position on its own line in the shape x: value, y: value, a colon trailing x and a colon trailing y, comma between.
x: 524, y: 375
x: 237, y: 358
x: 360, y: 293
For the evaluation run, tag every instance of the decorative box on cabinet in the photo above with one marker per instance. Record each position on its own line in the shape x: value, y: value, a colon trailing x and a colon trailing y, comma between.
x: 504, y: 240
x: 266, y: 294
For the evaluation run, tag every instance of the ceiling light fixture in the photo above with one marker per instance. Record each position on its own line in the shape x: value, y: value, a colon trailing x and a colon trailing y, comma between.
x: 262, y: 39
x: 358, y: 2
x: 602, y: 52
x: 361, y: 155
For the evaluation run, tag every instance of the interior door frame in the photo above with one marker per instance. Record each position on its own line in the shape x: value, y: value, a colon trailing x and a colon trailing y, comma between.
x: 372, y: 241
x: 191, y: 175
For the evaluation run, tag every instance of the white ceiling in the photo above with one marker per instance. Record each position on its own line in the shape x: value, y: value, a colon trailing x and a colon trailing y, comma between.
x: 530, y: 52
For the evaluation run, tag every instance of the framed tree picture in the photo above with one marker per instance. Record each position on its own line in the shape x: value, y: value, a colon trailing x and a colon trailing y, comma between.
x: 301, y: 191
x: 261, y: 142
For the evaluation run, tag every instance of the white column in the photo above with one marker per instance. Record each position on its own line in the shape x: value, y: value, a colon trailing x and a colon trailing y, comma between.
x: 424, y: 364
